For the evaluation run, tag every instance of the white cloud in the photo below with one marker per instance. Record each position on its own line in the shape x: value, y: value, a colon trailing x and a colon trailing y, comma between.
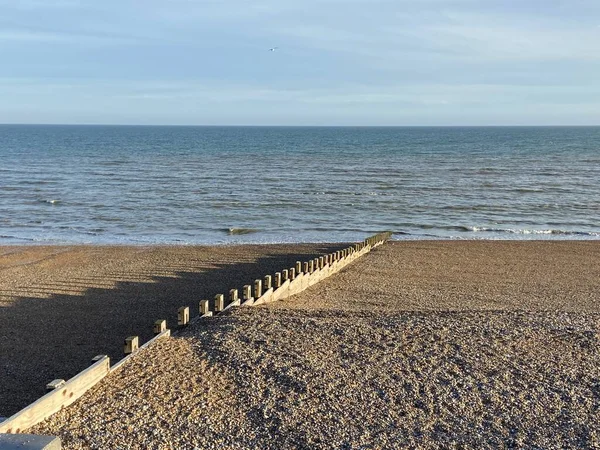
x: 508, y: 38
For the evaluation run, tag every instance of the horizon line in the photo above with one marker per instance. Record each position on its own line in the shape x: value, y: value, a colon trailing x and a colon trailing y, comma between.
x: 292, y: 126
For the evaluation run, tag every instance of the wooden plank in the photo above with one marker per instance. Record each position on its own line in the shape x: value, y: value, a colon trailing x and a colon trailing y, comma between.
x: 315, y: 277
x: 57, y: 399
x: 238, y: 302
x: 314, y: 271
x: 164, y: 334
x: 296, y: 285
x: 282, y: 292
x: 265, y: 298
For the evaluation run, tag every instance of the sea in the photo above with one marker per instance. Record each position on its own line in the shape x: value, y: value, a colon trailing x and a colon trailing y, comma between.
x: 225, y: 185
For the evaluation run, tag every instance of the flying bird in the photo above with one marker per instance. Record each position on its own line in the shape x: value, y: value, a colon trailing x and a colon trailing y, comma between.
x: 272, y: 49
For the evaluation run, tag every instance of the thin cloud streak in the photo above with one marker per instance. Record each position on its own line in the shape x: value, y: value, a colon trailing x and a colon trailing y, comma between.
x: 379, y: 60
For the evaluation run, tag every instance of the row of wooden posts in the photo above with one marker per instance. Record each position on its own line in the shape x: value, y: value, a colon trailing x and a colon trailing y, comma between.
x: 61, y: 393
x: 255, y: 291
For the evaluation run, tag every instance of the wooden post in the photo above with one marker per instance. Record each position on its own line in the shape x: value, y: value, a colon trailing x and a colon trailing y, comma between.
x: 311, y: 266
x: 306, y: 268
x: 183, y: 316
x: 316, y: 260
x: 292, y: 273
x: 54, y: 401
x: 233, y: 295
x: 131, y: 344
x: 267, y: 282
x: 219, y: 302
x: 285, y: 275
x: 204, y: 307
x: 257, y: 289
x: 160, y: 325
x: 247, y: 292
x: 55, y: 384
x: 321, y: 262
x: 277, y: 280
x: 298, y: 267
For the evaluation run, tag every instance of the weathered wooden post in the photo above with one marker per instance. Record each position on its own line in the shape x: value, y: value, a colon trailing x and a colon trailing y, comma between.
x: 298, y: 267
x: 131, y: 344
x: 257, y: 289
x: 321, y: 262
x: 183, y: 316
x: 204, y: 307
x: 316, y: 266
x: 277, y: 282
x: 219, y: 302
x: 233, y: 295
x: 285, y: 275
x: 311, y: 266
x: 247, y: 292
x: 292, y: 273
x: 306, y: 268
x: 55, y: 384
x: 267, y: 284
x: 160, y: 325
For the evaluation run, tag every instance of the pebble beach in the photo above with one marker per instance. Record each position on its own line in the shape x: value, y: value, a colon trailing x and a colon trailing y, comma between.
x: 422, y: 344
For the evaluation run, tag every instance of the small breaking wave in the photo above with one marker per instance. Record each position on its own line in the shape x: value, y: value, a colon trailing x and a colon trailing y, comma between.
x: 238, y: 231
x: 528, y: 231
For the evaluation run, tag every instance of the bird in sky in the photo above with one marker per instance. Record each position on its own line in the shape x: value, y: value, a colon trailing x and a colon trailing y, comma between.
x: 272, y: 49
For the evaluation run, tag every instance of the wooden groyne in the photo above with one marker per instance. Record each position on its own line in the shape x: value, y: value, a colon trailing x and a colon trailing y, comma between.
x: 270, y: 288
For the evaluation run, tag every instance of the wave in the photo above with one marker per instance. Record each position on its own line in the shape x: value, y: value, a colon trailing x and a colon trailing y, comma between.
x: 527, y: 190
x: 529, y: 231
x: 237, y: 231
x: 17, y: 238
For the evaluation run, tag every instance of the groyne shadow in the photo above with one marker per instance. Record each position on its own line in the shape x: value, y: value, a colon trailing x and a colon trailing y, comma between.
x: 55, y: 333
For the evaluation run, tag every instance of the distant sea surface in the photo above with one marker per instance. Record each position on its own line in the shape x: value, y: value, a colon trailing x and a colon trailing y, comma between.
x: 218, y: 185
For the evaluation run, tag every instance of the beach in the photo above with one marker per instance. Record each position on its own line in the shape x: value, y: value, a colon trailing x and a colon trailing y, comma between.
x: 423, y: 344
x: 62, y: 305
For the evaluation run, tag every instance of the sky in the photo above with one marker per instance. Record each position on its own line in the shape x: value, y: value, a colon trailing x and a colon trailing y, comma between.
x: 338, y: 62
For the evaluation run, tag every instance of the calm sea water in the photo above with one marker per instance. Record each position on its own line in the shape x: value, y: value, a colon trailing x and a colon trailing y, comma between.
x: 107, y: 184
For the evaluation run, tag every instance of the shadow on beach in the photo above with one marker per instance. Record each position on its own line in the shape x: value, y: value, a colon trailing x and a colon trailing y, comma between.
x: 57, y: 335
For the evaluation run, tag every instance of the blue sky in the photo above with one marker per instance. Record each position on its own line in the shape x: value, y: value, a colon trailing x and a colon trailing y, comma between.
x: 339, y: 62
